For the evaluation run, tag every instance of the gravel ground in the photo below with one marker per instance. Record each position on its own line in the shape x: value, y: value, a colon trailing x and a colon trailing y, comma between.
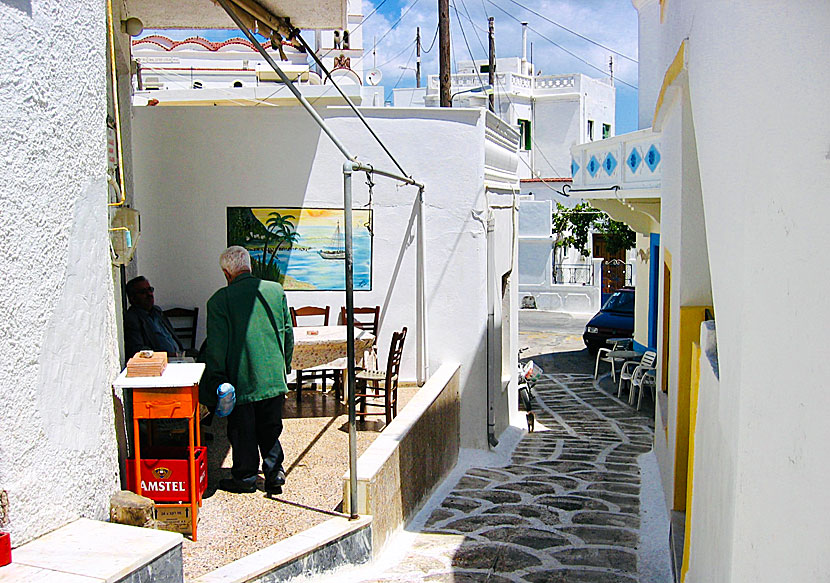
x: 315, y: 439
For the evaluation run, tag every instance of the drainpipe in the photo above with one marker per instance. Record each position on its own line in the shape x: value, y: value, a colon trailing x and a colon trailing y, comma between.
x: 492, y: 381
x: 524, y: 48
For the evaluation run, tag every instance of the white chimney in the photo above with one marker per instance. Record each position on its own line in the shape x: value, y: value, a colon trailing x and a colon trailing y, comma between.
x: 524, y: 48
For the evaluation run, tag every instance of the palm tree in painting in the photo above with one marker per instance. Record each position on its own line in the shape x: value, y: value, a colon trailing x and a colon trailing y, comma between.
x: 283, y: 230
x: 286, y: 240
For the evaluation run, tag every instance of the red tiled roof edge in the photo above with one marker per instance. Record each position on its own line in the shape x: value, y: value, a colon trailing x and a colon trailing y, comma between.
x: 169, y: 44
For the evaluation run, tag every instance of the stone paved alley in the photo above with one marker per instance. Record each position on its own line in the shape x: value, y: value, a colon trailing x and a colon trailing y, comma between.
x: 565, y: 505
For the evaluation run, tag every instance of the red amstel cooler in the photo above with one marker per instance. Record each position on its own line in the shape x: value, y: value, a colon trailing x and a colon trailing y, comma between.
x: 165, y: 476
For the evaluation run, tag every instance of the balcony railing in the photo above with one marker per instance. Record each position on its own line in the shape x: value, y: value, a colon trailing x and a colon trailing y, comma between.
x: 511, y: 83
x: 575, y: 273
x: 630, y: 161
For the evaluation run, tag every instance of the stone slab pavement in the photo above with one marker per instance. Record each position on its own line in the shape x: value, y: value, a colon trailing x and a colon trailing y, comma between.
x: 563, y: 503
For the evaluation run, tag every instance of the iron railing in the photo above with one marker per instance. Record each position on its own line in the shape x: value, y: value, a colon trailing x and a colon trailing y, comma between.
x: 575, y: 273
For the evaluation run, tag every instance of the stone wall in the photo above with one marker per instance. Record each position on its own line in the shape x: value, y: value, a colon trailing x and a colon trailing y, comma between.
x: 410, y: 458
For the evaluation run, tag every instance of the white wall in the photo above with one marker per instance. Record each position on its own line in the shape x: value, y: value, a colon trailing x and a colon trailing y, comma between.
x: 763, y: 191
x: 58, y: 458
x: 649, y: 56
x: 191, y: 163
x: 556, y: 127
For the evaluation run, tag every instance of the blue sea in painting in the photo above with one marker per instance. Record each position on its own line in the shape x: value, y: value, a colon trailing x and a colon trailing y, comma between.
x: 304, y: 263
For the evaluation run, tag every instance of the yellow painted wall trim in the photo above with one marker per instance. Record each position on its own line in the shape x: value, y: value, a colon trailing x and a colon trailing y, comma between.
x: 677, y: 66
x: 693, y: 400
x: 690, y: 320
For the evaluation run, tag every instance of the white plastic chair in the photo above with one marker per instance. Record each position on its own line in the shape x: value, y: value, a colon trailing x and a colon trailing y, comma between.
x: 634, y: 370
x: 618, y: 345
x: 648, y: 378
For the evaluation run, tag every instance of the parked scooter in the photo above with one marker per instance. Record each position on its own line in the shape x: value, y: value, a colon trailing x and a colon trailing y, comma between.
x: 529, y: 375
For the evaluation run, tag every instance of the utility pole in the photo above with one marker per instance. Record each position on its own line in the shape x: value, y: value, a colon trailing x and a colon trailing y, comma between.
x: 611, y: 68
x: 491, y: 68
x: 444, y: 51
x: 418, y: 60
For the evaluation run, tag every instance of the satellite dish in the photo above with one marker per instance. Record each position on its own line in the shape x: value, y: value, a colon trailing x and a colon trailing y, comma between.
x: 374, y: 76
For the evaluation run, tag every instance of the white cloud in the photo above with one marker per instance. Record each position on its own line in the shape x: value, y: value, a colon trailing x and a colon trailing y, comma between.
x: 609, y: 22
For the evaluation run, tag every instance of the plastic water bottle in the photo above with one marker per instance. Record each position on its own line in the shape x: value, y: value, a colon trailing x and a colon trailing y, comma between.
x: 226, y: 399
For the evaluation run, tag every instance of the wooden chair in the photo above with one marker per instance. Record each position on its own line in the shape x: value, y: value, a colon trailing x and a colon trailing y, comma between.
x: 381, y: 384
x: 366, y: 319
x: 302, y: 317
x: 184, y: 323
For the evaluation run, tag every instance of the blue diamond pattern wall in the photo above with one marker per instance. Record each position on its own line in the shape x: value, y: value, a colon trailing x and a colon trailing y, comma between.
x: 610, y: 164
x: 634, y: 160
x: 593, y: 166
x: 652, y: 158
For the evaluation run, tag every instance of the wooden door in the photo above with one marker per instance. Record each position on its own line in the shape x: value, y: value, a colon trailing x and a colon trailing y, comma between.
x: 613, y: 266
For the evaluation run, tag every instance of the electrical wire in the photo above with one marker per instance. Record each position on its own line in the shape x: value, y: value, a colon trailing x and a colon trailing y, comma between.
x: 403, y: 71
x: 464, y: 35
x: 405, y: 48
x: 573, y: 32
x: 486, y: 50
x: 435, y: 36
x: 397, y: 22
x: 509, y: 100
x: 560, y: 46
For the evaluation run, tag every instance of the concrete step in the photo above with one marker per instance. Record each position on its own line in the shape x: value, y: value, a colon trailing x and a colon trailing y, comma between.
x: 90, y: 551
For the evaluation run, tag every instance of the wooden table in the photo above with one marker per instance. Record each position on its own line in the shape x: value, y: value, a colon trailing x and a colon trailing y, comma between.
x: 173, y: 395
x: 324, y: 348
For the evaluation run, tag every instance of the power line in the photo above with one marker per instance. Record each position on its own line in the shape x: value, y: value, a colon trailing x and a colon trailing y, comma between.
x: 464, y: 35
x: 405, y: 48
x: 432, y: 44
x: 577, y: 57
x: 397, y: 22
x: 573, y: 32
x: 403, y: 71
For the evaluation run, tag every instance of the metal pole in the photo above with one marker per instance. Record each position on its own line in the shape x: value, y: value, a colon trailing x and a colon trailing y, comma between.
x: 284, y: 78
x: 418, y: 61
x: 491, y: 68
x: 444, y: 51
x: 421, y: 308
x: 348, y: 168
x: 351, y: 104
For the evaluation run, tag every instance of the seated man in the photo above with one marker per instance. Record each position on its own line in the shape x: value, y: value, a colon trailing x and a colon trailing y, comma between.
x: 145, y: 325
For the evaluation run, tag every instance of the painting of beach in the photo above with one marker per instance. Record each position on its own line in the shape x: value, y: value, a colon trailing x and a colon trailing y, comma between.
x: 303, y: 248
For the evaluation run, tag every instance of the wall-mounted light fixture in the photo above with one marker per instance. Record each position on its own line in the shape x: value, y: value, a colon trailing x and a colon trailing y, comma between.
x: 132, y: 26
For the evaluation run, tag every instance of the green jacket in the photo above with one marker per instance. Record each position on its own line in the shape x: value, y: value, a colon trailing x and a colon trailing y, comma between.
x: 249, y: 340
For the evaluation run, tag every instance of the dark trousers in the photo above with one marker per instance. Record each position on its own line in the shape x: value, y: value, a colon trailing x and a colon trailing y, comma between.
x: 254, y: 429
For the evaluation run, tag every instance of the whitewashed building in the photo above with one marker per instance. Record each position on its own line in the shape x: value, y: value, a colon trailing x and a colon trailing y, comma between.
x: 728, y: 221
x: 180, y: 167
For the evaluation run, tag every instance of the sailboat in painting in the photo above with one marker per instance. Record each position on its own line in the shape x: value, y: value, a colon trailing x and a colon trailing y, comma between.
x: 337, y: 249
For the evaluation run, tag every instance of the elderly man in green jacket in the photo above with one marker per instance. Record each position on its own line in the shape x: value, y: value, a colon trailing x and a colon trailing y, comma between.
x: 249, y: 345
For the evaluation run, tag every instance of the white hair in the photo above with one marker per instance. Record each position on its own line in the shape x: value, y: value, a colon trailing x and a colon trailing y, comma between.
x: 235, y: 260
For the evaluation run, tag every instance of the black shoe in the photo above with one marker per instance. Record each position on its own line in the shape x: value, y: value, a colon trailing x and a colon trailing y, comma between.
x: 273, y: 489
x: 231, y: 485
x: 280, y: 479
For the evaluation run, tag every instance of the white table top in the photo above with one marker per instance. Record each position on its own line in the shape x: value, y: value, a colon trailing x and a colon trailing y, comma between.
x: 177, y: 374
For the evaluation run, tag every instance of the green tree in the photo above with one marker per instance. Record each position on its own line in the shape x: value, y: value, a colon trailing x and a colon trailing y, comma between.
x: 571, y: 227
x: 618, y: 236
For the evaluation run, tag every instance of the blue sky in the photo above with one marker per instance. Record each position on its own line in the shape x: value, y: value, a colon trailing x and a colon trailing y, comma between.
x: 612, y: 23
